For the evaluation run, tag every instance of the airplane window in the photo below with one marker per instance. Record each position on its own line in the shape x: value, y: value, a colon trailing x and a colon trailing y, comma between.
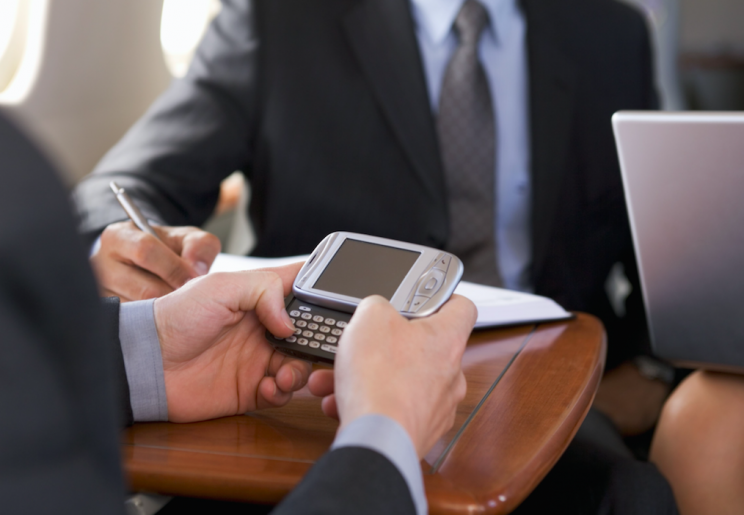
x: 183, y: 24
x: 9, y: 57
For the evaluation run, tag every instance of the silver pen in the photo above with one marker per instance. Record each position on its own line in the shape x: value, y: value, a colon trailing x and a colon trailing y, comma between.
x: 131, y: 209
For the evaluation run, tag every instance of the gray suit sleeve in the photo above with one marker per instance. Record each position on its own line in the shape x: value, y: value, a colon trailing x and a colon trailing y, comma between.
x: 143, y: 361
x: 197, y: 133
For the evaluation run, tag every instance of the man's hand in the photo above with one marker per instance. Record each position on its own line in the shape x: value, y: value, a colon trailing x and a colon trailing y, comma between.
x: 408, y: 370
x: 216, y: 359
x: 133, y: 265
x: 631, y: 401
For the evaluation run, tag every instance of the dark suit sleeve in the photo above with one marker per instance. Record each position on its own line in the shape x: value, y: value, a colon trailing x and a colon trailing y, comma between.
x: 59, y: 450
x: 350, y: 480
x: 197, y: 133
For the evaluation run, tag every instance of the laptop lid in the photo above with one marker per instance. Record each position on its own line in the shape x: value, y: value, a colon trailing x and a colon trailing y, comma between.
x: 683, y: 175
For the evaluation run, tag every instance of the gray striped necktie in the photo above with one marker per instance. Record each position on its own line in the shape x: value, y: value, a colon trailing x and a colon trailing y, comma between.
x: 465, y: 125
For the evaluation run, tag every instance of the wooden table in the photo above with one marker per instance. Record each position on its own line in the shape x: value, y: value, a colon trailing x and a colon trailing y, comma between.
x: 529, y: 388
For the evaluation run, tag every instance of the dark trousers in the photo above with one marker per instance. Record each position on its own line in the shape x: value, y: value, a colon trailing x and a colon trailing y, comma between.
x: 598, y: 475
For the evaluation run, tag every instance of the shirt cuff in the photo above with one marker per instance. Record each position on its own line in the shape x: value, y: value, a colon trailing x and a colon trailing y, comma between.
x: 385, y: 436
x: 143, y: 361
x: 95, y: 247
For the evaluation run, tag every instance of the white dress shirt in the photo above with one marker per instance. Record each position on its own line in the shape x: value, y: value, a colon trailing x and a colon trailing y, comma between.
x: 503, y: 53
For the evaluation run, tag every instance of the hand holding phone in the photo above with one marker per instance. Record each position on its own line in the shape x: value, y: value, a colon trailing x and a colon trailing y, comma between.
x: 347, y: 267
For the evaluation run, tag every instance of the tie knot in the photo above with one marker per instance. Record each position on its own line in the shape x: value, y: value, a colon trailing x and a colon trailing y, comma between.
x: 470, y: 21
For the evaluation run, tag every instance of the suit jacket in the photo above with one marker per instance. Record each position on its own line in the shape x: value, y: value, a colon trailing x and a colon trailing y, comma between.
x: 323, y: 105
x: 61, y: 366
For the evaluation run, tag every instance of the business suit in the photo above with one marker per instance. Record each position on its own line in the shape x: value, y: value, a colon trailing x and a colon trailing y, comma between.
x: 324, y: 106
x: 61, y: 366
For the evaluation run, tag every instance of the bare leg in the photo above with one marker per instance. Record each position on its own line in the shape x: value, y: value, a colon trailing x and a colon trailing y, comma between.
x: 699, y: 444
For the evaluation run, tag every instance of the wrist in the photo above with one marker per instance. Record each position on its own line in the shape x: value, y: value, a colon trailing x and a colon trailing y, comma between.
x: 384, y: 410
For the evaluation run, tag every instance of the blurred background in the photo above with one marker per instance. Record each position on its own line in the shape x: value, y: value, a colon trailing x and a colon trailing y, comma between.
x: 78, y: 73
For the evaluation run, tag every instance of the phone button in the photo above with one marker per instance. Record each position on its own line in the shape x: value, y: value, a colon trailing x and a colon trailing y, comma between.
x: 304, y: 308
x: 294, y: 313
x: 417, y: 303
x: 442, y: 263
x: 314, y: 345
x: 430, y: 284
x: 328, y: 348
x: 302, y: 341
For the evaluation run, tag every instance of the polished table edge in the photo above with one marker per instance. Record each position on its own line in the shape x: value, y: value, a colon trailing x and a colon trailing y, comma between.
x: 174, y: 477
x: 560, y: 439
x: 447, y: 499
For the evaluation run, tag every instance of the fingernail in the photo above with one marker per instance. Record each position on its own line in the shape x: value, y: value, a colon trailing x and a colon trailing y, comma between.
x: 288, y: 322
x: 201, y: 268
x: 295, y: 378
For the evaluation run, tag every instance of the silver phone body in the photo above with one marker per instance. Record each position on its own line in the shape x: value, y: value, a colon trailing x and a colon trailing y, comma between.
x: 346, y: 267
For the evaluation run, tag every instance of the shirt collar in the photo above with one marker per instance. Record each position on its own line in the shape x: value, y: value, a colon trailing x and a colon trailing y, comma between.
x: 436, y: 17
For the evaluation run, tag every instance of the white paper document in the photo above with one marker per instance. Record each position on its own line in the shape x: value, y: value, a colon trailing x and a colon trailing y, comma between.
x: 496, y: 306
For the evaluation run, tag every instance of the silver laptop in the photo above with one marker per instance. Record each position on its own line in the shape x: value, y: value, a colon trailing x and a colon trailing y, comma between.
x: 684, y: 181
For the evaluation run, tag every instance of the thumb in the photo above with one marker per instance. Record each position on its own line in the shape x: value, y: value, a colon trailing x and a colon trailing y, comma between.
x: 261, y: 291
x: 199, y: 249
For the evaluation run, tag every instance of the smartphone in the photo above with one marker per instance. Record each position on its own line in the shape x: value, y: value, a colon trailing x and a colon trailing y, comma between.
x: 347, y: 267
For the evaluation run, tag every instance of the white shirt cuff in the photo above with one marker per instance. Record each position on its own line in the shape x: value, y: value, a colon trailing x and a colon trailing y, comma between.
x: 95, y: 247
x: 143, y: 361
x: 385, y: 436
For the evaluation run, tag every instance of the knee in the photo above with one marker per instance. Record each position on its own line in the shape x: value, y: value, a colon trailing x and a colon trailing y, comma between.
x: 701, y: 424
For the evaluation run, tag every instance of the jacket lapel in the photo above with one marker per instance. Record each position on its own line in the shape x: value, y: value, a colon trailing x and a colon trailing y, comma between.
x: 552, y: 81
x: 381, y: 34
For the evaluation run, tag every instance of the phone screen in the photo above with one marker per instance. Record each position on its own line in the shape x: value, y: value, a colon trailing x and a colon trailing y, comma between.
x: 360, y: 269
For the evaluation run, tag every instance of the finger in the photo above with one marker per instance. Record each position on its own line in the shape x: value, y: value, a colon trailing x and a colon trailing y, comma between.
x: 329, y: 406
x: 129, y: 282
x: 268, y: 395
x: 269, y: 301
x: 199, y: 248
x: 292, y: 375
x: 153, y: 255
x: 373, y: 307
x: 456, y: 317
x: 286, y: 273
x: 321, y: 383
x: 252, y: 290
x: 275, y: 363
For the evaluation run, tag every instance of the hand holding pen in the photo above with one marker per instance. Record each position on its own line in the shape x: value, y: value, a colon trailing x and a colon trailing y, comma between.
x: 137, y: 261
